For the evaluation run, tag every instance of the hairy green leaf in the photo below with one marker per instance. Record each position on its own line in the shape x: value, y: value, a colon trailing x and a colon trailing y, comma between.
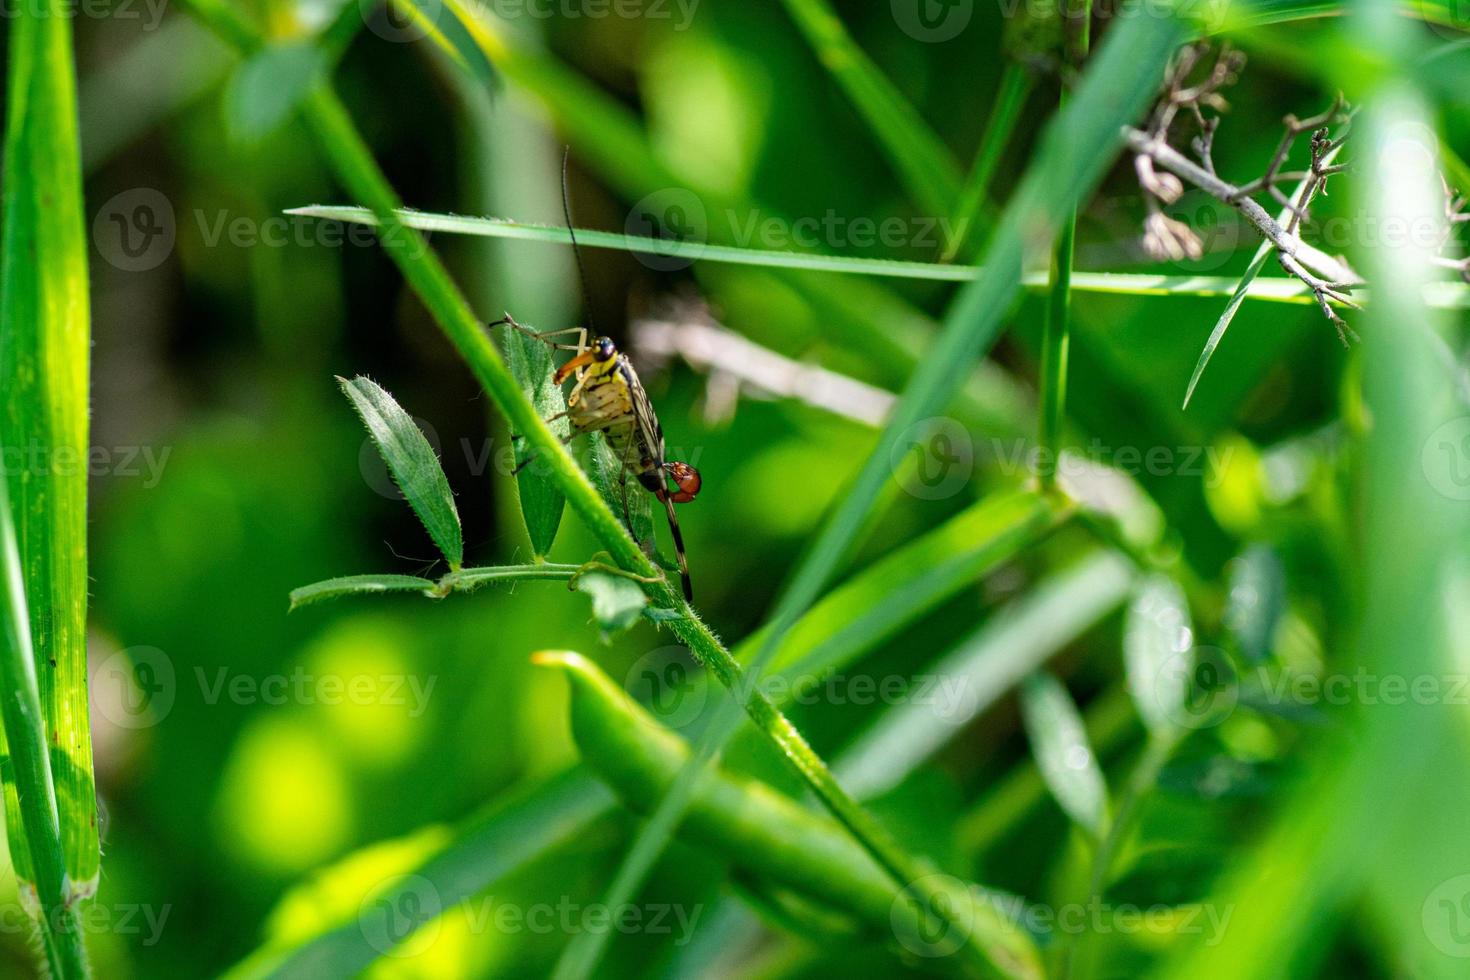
x: 413, y: 463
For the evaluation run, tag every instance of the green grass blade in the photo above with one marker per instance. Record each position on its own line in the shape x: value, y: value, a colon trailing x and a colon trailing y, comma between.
x: 1015, y: 86
x: 1258, y: 262
x: 1063, y: 754
x: 677, y: 248
x: 922, y: 161
x: 1279, y: 289
x: 413, y: 463
x: 45, y: 350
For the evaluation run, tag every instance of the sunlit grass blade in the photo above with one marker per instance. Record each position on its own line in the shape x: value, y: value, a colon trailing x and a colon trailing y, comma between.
x: 50, y: 796
x: 413, y: 463
x: 1279, y: 289
x: 923, y: 163
x: 45, y: 352
x: 1063, y: 753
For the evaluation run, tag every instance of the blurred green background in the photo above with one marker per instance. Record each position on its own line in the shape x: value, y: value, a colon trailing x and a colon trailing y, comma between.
x: 237, y: 472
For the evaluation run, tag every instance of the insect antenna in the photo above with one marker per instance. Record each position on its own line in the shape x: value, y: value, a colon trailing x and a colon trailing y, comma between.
x: 566, y: 210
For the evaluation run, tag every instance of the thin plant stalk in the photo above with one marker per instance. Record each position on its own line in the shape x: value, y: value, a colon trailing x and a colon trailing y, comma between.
x: 1056, y: 335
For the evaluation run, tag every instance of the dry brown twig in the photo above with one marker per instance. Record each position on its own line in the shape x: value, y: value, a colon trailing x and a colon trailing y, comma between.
x: 1163, y: 171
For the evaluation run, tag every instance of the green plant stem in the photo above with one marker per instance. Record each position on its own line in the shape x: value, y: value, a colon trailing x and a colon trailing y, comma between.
x: 20, y: 710
x: 1145, y: 773
x: 1056, y: 335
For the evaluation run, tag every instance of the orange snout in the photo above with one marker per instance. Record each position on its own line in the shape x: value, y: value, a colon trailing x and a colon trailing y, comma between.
x: 687, y: 479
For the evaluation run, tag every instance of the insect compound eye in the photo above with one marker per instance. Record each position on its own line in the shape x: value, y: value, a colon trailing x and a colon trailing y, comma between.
x: 687, y: 479
x: 605, y: 348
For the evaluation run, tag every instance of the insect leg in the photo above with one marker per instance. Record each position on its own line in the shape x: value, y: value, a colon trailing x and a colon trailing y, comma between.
x: 678, y: 546
x: 544, y: 335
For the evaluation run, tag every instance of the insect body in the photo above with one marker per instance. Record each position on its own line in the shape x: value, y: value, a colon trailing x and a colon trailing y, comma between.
x: 609, y: 398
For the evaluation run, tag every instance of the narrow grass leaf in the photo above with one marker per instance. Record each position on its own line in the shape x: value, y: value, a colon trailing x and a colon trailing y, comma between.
x: 413, y: 463
x: 1063, y: 754
x: 1277, y: 289
x: 922, y: 161
x: 1158, y: 645
x: 542, y: 501
x: 1242, y: 290
x: 45, y: 350
x: 335, y: 588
